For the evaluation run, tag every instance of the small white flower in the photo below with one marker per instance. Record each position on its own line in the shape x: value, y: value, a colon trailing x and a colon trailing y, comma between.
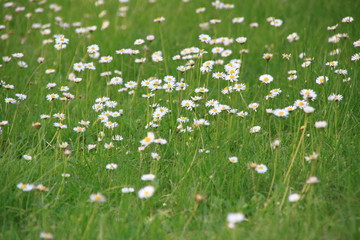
x: 148, y: 177
x: 111, y: 166
x: 294, y: 197
x: 27, y: 157
x: 127, y: 190
x: 146, y: 192
x: 261, y: 168
x: 255, y: 129
x: 320, y: 124
x: 97, y: 197
x: 233, y: 159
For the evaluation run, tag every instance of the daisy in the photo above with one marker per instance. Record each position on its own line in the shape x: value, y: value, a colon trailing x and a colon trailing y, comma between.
x: 46, y: 235
x: 335, y: 97
x: 117, y: 138
x: 312, y: 180
x: 97, y: 197
x: 253, y: 106
x: 93, y: 48
x: 276, y: 22
x: 347, y: 19
x: 146, y: 192
x: 160, y: 141
x: 332, y: 64
x: 266, y: 78
x: 322, y: 79
x: 293, y: 37
x: 204, y: 38
x: 148, y: 139
x: 294, y: 197
x: 159, y: 19
x: 148, y: 177
x: 108, y: 145
x: 312, y: 156
x: 111, y: 166
x: 139, y: 41
x: 261, y: 168
x: 79, y: 129
x: 242, y: 114
x: 188, y: 104
x: 215, y: 111
x: 276, y: 143
x: 26, y: 187
x: 308, y: 109
x: 23, y: 64
x: 233, y: 159
x: 281, y: 112
x: 255, y: 129
x: 127, y: 190
x: 233, y: 218
x: 106, y: 59
x: 241, y: 40
x: 27, y: 157
x: 355, y: 57
x: 320, y: 124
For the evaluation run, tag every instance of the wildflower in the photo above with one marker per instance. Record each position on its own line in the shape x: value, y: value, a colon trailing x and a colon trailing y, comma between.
x: 97, y: 197
x: 261, y: 168
x: 241, y: 40
x: 93, y: 48
x: 253, y: 106
x: 188, y: 104
x: 308, y: 109
x: 347, y: 19
x: 148, y: 177
x: 233, y: 159
x: 106, y: 59
x: 127, y: 190
x: 293, y: 37
x: 266, y: 78
x: 341, y: 71
x: 205, y: 38
x: 27, y: 157
x: 267, y: 56
x: 46, y: 235
x: 111, y: 166
x: 255, y: 129
x: 146, y: 192
x: 159, y: 19
x: 156, y: 156
x: 275, y: 143
x: 108, y: 145
x: 355, y: 57
x: 320, y: 124
x: 276, y: 22
x: 91, y: 146
x: 281, y: 112
x: 41, y: 188
x: 233, y: 218
x: 148, y: 139
x: 322, y: 79
x: 286, y: 56
x: 335, y: 97
x: 79, y: 129
x: 312, y: 156
x: 294, y: 197
x: 312, y: 180
x: 26, y: 187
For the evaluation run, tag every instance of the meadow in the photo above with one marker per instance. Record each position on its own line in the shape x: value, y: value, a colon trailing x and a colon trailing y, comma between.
x: 179, y: 119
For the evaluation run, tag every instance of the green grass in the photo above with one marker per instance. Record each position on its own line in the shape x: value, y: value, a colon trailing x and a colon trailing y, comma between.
x: 326, y: 210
